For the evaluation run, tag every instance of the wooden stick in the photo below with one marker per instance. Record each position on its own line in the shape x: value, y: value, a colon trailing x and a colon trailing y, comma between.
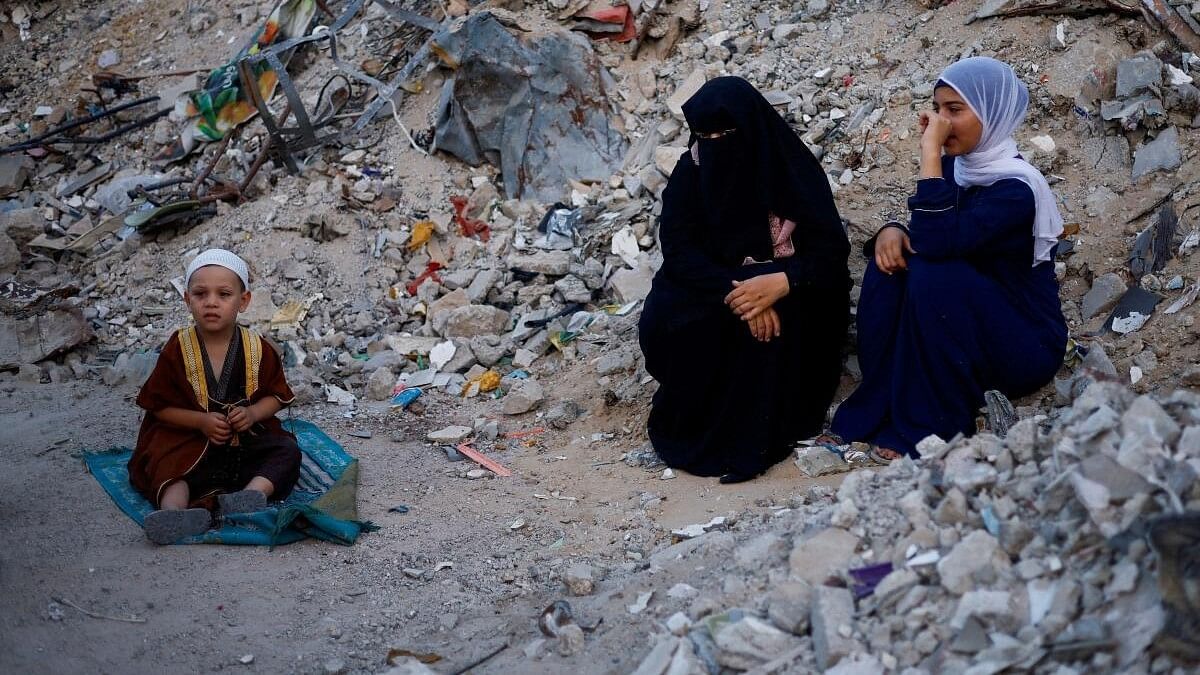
x: 482, y: 460
x: 94, y: 615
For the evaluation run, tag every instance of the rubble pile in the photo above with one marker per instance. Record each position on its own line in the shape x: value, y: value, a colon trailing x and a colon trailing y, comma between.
x: 1051, y: 550
x: 396, y: 278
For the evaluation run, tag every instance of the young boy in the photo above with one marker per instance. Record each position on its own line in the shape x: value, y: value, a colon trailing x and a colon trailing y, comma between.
x: 210, y: 432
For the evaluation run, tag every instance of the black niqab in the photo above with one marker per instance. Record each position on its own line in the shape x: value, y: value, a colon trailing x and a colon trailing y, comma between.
x: 761, y: 168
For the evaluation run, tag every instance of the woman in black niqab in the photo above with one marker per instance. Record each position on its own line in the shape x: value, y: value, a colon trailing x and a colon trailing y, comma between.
x: 744, y: 324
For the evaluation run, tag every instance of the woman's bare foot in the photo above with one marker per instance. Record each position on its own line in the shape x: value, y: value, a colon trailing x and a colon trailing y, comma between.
x: 888, y: 454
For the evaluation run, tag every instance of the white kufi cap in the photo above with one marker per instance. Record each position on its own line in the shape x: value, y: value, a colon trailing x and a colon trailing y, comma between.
x: 222, y: 258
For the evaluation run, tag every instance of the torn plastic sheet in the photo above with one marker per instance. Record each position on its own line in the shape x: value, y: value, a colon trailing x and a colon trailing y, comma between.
x: 537, y: 106
x: 223, y: 103
x: 558, y: 228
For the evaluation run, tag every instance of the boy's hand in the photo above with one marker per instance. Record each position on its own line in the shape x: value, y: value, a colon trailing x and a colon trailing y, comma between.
x: 216, y: 428
x: 241, y: 419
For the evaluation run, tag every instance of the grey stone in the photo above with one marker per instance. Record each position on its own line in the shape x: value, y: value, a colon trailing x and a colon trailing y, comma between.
x: 483, y: 282
x: 1107, y: 154
x: 832, y: 613
x: 1106, y: 290
x: 629, y: 285
x: 789, y: 606
x: 815, y: 9
x: 562, y: 414
x: 986, y: 604
x: 23, y: 225
x: 895, y: 585
x: 760, y: 552
x: 1138, y: 73
x: 10, y: 255
x: 488, y: 349
x: 859, y: 664
x: 475, y: 320
x: 1120, y: 482
x: 615, y: 362
x: 1145, y: 416
x: 976, y: 559
x: 571, y: 640
x: 573, y: 289
x: 751, y: 642
x: 1161, y: 154
x: 14, y: 174
x: 33, y: 339
x: 380, y: 384
x: 580, y: 579
x: 463, y: 357
x: 524, y: 396
x: 552, y: 263
x: 953, y: 508
x: 827, y: 552
x: 450, y: 434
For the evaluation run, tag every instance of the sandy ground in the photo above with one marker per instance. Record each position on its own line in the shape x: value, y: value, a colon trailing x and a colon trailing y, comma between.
x: 299, y: 607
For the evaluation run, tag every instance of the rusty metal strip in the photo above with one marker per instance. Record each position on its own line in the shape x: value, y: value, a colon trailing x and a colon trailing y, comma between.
x: 1173, y: 23
x: 483, y: 460
x: 400, y: 15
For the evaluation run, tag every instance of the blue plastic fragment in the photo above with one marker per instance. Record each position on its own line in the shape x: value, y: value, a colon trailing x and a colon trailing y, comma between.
x: 406, y: 397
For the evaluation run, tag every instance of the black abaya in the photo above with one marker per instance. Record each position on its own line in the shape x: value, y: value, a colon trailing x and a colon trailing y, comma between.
x: 726, y: 402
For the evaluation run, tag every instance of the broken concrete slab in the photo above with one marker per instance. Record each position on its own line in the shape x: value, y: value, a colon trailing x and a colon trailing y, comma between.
x: 832, y: 623
x: 827, y: 552
x: 551, y: 263
x: 1142, y: 72
x: 684, y: 91
x: 1106, y: 290
x: 14, y: 174
x: 1160, y: 154
x: 629, y: 285
x: 39, y: 337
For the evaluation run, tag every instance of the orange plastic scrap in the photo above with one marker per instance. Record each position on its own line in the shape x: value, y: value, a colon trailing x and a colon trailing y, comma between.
x: 469, y: 226
x: 489, y: 381
x: 422, y: 231
x: 482, y: 460
x: 620, y: 15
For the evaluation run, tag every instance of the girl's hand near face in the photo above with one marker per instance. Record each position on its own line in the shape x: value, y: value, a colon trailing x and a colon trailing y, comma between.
x: 935, y: 129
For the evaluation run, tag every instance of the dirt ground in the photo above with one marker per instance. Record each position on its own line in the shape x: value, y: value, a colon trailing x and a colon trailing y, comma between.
x: 303, y: 607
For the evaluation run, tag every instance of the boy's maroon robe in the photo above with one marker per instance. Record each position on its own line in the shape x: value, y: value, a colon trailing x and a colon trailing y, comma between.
x: 166, y: 453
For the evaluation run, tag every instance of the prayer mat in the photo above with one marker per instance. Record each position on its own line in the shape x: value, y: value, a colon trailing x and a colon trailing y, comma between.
x: 322, y: 505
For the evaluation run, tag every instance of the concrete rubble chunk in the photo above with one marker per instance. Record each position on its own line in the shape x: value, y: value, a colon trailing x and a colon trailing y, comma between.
x: 14, y: 174
x: 815, y: 558
x: 36, y: 338
x: 475, y: 320
x: 632, y: 285
x: 1160, y: 154
x: 580, y: 579
x: 832, y: 614
x: 751, y: 642
x: 1106, y: 290
x: 684, y: 91
x: 380, y: 384
x: 524, y: 396
x: 10, y: 255
x: 977, y: 559
x: 450, y: 434
x: 552, y: 263
x: 1138, y: 73
x: 987, y: 604
x: 765, y: 549
x: 789, y: 606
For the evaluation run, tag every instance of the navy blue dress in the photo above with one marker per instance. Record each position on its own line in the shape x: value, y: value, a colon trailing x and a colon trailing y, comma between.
x: 969, y: 315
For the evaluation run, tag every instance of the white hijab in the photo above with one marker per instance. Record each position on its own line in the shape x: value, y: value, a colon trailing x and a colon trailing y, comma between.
x: 999, y: 99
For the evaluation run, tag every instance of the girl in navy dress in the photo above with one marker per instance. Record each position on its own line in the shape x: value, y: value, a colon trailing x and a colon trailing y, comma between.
x: 964, y: 299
